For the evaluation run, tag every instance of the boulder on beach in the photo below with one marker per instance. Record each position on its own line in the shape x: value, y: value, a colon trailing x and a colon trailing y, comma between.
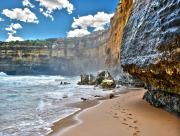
x: 104, y: 79
x: 87, y: 79
x: 108, y: 84
x: 103, y: 75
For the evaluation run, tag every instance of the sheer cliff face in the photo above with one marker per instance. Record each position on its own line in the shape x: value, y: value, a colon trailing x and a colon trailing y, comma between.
x: 151, y: 44
x: 58, y: 56
x: 118, y: 23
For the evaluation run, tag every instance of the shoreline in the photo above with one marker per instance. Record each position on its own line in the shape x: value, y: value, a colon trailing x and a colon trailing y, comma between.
x: 83, y: 120
x: 61, y: 126
x: 70, y: 120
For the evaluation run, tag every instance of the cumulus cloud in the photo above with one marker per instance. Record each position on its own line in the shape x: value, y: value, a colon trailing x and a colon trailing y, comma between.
x: 78, y: 33
x: 51, y: 5
x: 12, y: 30
x: 1, y: 19
x: 27, y: 3
x: 96, y: 22
x: 13, y: 27
x: 11, y: 37
x: 24, y: 15
x: 83, y: 22
x: 101, y: 19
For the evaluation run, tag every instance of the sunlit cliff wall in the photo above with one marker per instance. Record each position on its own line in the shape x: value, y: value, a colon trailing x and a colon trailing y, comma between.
x: 118, y: 22
x: 55, y: 56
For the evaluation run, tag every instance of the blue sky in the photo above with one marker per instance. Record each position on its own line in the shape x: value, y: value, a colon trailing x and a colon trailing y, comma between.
x: 41, y: 19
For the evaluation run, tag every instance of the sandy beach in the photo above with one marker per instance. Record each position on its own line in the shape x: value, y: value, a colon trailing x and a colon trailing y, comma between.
x: 126, y: 115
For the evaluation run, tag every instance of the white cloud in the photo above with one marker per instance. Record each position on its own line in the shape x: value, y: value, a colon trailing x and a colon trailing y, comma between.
x: 11, y: 37
x: 52, y: 5
x: 99, y: 28
x: 97, y: 22
x: 27, y: 3
x: 78, y: 33
x: 12, y: 30
x: 1, y: 19
x: 46, y: 13
x: 83, y: 22
x: 13, y: 27
x: 101, y: 19
x: 24, y: 15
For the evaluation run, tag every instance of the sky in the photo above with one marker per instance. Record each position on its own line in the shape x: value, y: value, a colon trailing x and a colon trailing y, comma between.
x: 41, y: 19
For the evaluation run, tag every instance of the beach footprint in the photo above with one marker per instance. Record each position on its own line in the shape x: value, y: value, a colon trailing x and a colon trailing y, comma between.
x: 137, y: 133
x: 133, y: 123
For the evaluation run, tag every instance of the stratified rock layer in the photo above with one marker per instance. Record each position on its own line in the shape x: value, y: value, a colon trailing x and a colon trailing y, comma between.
x: 151, y: 44
x: 55, y: 56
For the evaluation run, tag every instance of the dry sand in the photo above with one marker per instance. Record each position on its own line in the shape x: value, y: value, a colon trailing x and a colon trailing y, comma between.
x: 126, y: 115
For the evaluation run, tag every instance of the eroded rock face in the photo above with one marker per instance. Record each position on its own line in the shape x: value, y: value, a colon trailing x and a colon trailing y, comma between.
x: 70, y: 56
x: 151, y: 44
x: 160, y: 99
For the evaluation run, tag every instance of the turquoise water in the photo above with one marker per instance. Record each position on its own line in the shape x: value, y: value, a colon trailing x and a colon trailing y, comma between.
x: 30, y: 104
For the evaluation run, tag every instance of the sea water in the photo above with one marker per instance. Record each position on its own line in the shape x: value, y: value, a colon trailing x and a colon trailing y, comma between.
x: 29, y: 105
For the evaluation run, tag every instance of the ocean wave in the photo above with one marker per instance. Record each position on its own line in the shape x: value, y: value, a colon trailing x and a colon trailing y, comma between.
x: 41, y: 106
x: 2, y: 74
x: 59, y: 95
x: 36, y: 102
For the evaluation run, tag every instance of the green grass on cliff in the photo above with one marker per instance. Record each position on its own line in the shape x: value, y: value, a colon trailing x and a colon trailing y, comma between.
x: 27, y: 42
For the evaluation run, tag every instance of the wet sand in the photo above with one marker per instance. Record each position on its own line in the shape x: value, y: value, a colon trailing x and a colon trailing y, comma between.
x: 126, y: 115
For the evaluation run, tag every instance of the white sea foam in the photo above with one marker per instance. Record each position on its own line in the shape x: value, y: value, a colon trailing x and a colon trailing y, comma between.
x: 41, y: 106
x: 30, y: 104
x: 2, y: 74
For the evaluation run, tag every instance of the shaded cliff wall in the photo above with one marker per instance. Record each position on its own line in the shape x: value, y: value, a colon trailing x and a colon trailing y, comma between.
x: 56, y: 56
x: 151, y: 50
x: 151, y: 43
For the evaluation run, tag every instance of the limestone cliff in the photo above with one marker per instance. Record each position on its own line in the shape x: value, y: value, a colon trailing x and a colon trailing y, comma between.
x: 55, y: 56
x: 118, y: 22
x: 151, y: 43
x: 150, y: 49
